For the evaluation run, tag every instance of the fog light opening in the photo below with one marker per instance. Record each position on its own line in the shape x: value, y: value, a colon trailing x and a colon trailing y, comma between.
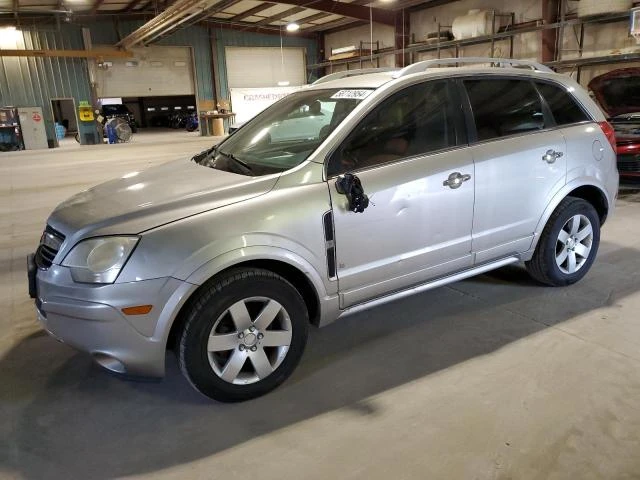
x: 110, y: 363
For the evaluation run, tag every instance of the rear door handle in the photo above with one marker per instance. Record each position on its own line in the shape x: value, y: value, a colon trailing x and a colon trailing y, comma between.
x: 455, y: 180
x: 551, y: 156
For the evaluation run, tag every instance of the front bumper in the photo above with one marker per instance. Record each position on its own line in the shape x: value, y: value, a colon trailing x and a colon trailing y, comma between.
x: 89, y: 318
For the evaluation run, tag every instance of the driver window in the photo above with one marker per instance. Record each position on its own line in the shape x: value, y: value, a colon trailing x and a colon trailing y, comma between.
x: 415, y: 121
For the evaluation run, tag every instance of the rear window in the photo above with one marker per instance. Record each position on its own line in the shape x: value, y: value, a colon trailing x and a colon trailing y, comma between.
x: 503, y: 107
x: 564, y: 108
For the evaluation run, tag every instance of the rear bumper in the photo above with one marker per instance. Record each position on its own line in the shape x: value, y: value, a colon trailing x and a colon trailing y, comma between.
x: 90, y: 319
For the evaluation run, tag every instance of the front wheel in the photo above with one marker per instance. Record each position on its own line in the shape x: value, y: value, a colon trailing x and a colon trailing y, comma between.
x: 568, y: 245
x: 244, y: 335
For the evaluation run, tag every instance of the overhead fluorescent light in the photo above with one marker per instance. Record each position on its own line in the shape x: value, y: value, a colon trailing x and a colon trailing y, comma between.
x: 293, y: 27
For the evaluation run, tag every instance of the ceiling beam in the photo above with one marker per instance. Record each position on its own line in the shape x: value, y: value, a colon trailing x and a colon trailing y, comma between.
x: 96, y: 6
x: 313, y: 18
x: 357, y: 12
x: 414, y: 5
x: 248, y: 27
x: 131, y: 5
x: 252, y: 11
x: 281, y: 15
x: 94, y: 53
x: 336, y: 26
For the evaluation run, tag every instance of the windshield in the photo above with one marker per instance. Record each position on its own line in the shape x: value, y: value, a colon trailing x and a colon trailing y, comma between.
x: 285, y: 134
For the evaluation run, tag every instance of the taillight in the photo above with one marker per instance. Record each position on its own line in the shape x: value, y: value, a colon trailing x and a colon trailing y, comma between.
x: 610, y: 133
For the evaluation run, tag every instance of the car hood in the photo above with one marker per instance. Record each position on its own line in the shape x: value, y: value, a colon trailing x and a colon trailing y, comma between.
x: 143, y: 200
x: 618, y: 92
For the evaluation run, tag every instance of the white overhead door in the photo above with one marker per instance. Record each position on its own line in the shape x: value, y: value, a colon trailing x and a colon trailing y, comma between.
x: 264, y: 66
x: 152, y: 71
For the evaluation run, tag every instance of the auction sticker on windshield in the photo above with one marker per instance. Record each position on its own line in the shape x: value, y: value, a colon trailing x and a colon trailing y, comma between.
x: 352, y: 94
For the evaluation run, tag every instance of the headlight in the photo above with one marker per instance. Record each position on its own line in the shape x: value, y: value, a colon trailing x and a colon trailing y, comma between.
x: 99, y: 260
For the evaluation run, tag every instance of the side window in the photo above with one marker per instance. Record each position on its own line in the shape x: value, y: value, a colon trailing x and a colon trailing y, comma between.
x: 417, y: 120
x: 504, y: 107
x: 564, y: 108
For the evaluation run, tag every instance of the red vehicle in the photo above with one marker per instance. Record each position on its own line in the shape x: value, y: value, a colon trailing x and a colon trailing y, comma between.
x: 618, y: 93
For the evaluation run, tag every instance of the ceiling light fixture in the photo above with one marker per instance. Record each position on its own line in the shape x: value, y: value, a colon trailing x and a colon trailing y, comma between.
x: 293, y: 27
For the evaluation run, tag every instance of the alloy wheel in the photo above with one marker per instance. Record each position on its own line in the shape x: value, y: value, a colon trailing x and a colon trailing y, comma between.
x: 574, y: 243
x: 249, y: 340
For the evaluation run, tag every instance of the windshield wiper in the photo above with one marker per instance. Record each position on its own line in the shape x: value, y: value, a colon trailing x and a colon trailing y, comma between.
x: 236, y: 160
x: 199, y: 157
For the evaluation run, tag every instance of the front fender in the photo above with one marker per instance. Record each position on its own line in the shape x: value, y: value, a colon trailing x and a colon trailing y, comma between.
x: 260, y: 252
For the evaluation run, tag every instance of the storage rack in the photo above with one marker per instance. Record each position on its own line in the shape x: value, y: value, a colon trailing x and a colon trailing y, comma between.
x: 360, y: 58
x: 508, y: 33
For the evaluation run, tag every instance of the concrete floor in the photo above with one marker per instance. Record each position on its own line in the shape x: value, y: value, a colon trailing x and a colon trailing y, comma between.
x: 490, y: 378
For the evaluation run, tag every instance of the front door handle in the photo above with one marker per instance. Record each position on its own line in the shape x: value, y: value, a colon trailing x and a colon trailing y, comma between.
x: 551, y: 156
x: 455, y: 180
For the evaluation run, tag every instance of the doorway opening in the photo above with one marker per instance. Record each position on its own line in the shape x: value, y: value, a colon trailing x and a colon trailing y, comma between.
x: 65, y: 121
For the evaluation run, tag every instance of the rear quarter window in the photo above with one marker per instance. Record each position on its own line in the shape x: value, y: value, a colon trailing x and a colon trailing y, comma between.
x: 503, y: 107
x: 563, y: 106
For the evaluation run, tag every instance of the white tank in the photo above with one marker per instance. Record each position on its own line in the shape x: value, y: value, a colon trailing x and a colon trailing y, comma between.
x: 595, y: 7
x: 474, y: 24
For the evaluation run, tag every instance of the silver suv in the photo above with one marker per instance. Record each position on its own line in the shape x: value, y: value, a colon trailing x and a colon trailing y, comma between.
x: 403, y: 181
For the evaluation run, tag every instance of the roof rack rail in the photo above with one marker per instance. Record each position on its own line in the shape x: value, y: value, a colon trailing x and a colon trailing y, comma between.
x: 499, y: 62
x: 353, y: 73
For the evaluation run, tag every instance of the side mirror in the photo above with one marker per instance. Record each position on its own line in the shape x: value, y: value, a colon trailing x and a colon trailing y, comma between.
x: 350, y: 186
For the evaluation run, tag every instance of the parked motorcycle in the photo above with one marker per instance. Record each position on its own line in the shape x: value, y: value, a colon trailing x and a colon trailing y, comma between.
x: 192, y: 122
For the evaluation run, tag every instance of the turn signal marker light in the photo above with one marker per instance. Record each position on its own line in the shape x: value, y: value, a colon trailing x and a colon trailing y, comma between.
x: 137, y: 310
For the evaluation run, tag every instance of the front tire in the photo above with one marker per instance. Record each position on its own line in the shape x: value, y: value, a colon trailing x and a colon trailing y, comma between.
x: 244, y: 335
x: 568, y: 245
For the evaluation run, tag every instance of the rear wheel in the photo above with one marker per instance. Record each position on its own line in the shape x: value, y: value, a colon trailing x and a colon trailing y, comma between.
x: 244, y: 335
x: 568, y: 245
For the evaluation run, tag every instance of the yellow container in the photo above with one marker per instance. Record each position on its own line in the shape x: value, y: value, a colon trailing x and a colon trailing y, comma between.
x: 85, y: 112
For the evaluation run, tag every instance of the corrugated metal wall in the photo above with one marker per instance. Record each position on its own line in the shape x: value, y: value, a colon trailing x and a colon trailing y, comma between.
x: 234, y: 38
x: 32, y: 81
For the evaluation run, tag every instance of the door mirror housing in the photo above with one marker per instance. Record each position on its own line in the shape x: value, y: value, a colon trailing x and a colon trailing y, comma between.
x: 350, y: 186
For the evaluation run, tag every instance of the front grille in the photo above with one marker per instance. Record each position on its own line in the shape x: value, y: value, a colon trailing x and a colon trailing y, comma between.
x: 629, y: 163
x: 48, y: 249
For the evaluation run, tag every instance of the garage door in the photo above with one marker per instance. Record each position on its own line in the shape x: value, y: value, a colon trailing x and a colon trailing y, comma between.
x: 151, y: 72
x: 263, y: 66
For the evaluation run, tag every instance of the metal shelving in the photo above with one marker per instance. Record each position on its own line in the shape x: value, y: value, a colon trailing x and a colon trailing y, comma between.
x: 508, y: 34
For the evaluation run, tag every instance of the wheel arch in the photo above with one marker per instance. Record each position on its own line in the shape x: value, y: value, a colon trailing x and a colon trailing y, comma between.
x: 294, y: 274
x: 589, y: 191
x: 595, y: 196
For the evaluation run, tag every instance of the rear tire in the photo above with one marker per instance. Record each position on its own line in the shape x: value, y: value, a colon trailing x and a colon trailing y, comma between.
x: 244, y: 335
x: 568, y: 245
